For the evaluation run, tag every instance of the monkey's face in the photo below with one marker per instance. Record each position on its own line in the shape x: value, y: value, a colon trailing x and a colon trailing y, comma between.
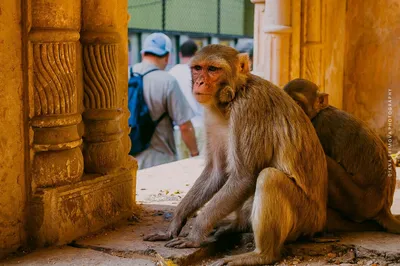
x: 216, y: 73
x: 207, y: 78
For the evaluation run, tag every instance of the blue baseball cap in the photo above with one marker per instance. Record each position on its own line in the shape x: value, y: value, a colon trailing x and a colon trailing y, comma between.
x: 157, y: 43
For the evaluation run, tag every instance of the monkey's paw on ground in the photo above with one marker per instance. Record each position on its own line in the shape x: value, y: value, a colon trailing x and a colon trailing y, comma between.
x: 158, y: 237
x: 251, y: 258
x: 183, y: 242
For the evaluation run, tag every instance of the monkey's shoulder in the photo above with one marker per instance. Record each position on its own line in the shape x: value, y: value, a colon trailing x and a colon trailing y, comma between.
x: 259, y: 97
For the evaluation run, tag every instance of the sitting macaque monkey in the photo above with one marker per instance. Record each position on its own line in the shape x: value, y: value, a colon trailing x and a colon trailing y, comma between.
x: 259, y: 148
x: 361, y: 174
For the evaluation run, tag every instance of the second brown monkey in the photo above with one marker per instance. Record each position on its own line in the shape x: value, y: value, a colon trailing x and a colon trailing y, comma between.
x: 361, y: 174
x: 261, y: 147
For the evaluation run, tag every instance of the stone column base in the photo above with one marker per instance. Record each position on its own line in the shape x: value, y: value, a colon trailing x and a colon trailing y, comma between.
x: 62, y: 214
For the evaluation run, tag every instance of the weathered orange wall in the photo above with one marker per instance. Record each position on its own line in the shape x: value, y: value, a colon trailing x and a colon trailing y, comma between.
x: 372, y: 63
x: 12, y: 178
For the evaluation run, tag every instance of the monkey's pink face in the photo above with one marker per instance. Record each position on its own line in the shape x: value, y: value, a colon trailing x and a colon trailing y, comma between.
x: 206, y: 78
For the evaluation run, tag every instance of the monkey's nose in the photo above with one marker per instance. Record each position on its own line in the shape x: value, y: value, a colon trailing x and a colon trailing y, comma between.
x: 199, y: 83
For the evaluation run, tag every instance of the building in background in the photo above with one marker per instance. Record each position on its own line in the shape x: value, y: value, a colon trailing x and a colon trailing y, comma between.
x: 206, y: 22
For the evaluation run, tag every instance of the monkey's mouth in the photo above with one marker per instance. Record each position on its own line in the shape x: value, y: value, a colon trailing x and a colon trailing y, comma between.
x: 202, y: 97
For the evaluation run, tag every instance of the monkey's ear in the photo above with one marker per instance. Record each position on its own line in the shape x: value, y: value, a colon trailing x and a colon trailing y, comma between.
x: 244, y: 63
x: 323, y: 100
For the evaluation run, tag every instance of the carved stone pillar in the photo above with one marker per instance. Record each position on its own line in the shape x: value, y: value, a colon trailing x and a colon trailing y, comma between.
x: 53, y: 56
x: 62, y: 77
x: 281, y: 46
x: 103, y: 149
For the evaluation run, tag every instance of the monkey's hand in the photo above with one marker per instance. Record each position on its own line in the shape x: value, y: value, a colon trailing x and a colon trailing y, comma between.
x: 193, y: 240
x: 183, y: 242
x: 158, y: 237
x: 172, y: 232
x: 186, y: 242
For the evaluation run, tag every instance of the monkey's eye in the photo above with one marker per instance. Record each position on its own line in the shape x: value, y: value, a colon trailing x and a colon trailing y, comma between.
x: 197, y: 67
x: 212, y: 68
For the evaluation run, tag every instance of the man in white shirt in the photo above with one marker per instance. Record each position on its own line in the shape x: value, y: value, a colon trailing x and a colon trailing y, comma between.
x: 182, y: 74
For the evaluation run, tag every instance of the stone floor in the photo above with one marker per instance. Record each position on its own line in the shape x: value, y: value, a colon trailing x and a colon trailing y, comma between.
x: 159, y: 190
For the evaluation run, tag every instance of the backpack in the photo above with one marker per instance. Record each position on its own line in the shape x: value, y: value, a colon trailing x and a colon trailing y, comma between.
x: 140, y: 121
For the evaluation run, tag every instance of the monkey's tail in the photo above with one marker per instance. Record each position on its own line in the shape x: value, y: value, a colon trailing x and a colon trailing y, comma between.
x: 390, y: 222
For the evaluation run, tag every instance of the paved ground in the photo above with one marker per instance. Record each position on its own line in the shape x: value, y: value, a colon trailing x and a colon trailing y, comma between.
x: 122, y: 244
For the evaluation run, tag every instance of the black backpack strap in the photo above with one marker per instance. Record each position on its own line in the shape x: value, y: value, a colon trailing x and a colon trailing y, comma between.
x: 149, y: 71
x: 132, y: 72
x: 164, y: 114
x: 161, y: 118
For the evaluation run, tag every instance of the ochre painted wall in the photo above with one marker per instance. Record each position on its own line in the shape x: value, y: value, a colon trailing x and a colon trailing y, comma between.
x: 372, y: 63
x: 12, y: 178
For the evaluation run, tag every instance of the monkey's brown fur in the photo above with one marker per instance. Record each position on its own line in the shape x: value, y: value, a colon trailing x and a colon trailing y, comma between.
x: 259, y: 143
x: 362, y: 176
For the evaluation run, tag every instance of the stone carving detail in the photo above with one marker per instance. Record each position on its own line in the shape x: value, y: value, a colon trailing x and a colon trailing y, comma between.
x: 100, y: 75
x: 54, y: 78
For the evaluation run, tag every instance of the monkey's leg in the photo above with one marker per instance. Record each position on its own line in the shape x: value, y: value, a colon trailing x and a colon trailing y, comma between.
x: 238, y: 188
x: 279, y: 206
x: 209, y: 182
x: 241, y: 224
x: 345, y: 196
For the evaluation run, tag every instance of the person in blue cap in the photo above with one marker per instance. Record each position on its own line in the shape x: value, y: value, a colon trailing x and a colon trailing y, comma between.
x: 163, y: 95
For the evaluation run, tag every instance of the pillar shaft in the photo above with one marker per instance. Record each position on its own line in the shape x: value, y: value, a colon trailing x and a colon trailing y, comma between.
x: 103, y: 149
x: 279, y: 41
x: 53, y: 47
x: 259, y: 38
